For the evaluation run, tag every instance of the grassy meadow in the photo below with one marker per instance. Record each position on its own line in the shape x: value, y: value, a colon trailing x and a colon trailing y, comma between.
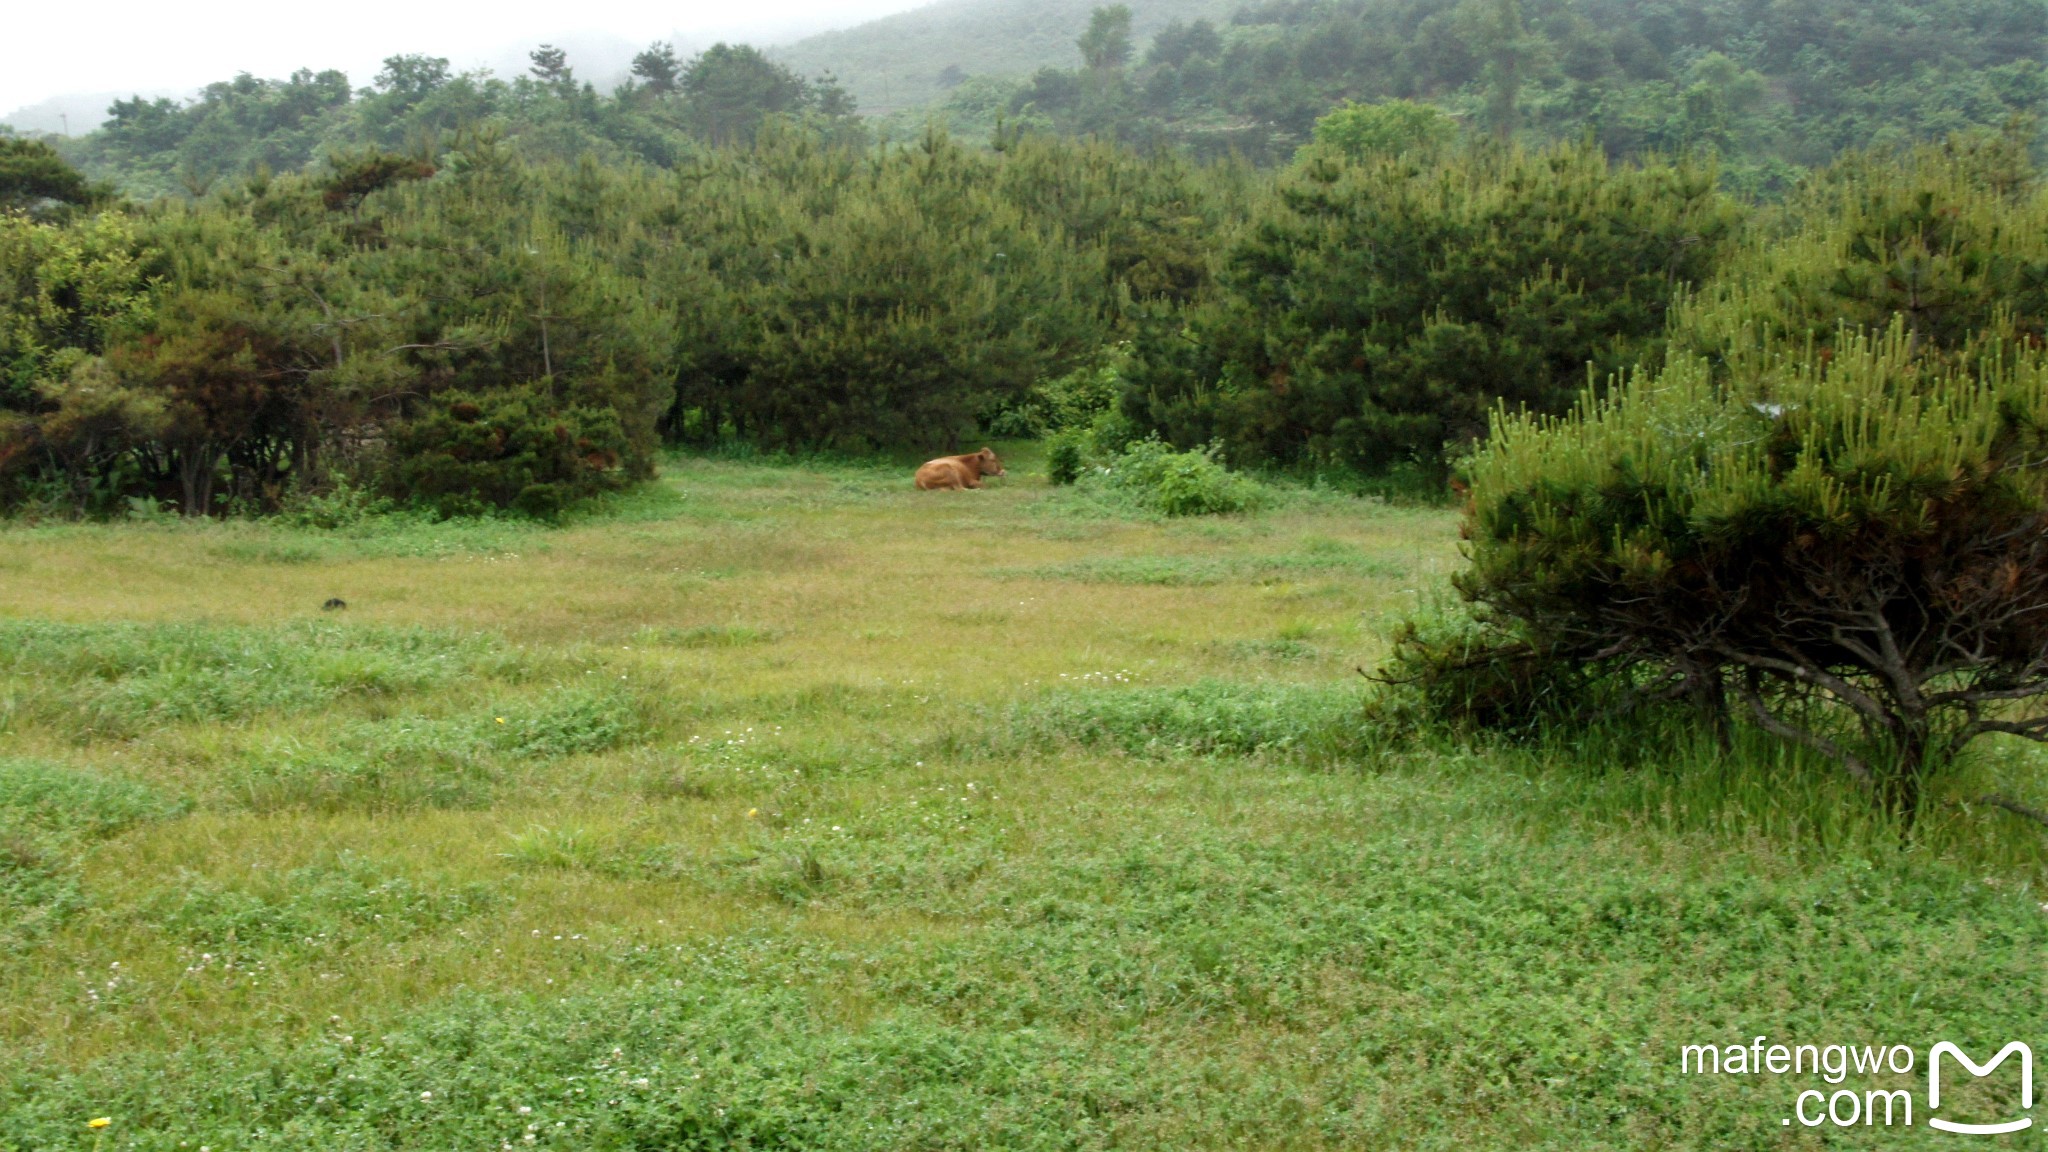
x: 780, y: 806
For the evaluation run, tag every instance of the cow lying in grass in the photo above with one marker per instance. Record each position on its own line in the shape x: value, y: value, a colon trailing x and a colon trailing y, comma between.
x: 953, y: 473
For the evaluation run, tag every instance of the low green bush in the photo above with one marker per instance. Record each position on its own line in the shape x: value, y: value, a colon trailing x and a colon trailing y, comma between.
x: 1151, y: 476
x: 1064, y: 459
x: 1851, y: 542
x: 1453, y: 667
x: 514, y: 450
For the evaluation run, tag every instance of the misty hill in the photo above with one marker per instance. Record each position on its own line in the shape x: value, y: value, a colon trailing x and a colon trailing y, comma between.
x: 1772, y: 87
x: 915, y: 58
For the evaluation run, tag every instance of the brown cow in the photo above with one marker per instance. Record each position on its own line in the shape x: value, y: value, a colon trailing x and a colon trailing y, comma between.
x: 953, y: 473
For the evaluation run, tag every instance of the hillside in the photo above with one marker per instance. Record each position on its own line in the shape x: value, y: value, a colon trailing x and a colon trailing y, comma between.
x: 1771, y: 88
x: 903, y: 61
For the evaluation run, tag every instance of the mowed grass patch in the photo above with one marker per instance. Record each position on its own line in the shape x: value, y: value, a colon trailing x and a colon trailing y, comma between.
x: 807, y: 827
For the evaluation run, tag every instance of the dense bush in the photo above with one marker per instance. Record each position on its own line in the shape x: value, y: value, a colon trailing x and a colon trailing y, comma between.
x: 1381, y: 309
x: 1452, y: 667
x: 230, y: 354
x: 1852, y: 541
x: 1064, y: 458
x: 513, y: 449
x: 1952, y: 238
x: 1170, y: 483
x: 831, y: 298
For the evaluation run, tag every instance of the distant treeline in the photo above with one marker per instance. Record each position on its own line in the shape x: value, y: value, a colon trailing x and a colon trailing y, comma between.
x: 479, y: 330
x: 669, y: 110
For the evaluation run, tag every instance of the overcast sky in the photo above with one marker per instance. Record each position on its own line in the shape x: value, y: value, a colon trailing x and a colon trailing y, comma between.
x: 55, y: 49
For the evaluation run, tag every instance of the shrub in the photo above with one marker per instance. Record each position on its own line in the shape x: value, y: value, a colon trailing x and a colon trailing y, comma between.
x: 1855, y: 545
x: 515, y: 450
x: 1951, y: 238
x: 1360, y: 131
x: 1453, y: 667
x: 343, y: 505
x: 1379, y: 309
x: 1063, y: 460
x: 1174, y: 483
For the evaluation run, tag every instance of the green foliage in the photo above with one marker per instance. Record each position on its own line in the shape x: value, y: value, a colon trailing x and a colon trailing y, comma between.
x: 240, y: 128
x: 1212, y: 718
x: 732, y: 89
x: 1849, y: 540
x: 394, y: 765
x: 1950, y: 238
x: 95, y: 681
x: 845, y: 301
x: 1380, y: 310
x: 1064, y: 458
x: 356, y: 177
x: 1158, y: 479
x: 1067, y: 405
x: 65, y: 289
x: 324, y: 907
x: 33, y: 175
x: 1362, y: 131
x: 1106, y: 45
x: 264, y: 345
x: 1451, y: 667
x: 567, y: 723
x: 515, y: 449
x: 41, y: 797
x: 1759, y: 85
x: 49, y: 815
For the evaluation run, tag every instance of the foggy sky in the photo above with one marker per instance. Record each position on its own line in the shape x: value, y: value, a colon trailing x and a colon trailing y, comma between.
x: 55, y: 49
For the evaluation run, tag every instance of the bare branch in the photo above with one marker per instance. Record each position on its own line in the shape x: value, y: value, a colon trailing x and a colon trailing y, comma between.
x: 2015, y: 807
x: 1777, y: 726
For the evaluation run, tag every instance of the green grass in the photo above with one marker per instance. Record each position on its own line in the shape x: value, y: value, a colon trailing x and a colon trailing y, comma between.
x: 780, y: 806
